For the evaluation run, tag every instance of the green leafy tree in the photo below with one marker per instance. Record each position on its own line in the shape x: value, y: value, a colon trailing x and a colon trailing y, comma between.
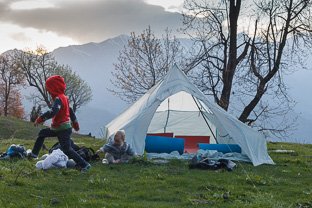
x: 35, y: 112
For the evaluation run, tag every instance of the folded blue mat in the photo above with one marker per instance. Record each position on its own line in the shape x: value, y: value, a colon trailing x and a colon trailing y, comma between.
x: 224, y: 148
x: 159, y: 144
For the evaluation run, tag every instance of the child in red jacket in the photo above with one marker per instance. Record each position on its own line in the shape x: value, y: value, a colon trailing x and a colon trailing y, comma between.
x: 61, y: 126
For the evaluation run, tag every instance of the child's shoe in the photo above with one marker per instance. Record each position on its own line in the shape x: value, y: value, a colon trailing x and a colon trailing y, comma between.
x: 31, y: 155
x: 86, y: 169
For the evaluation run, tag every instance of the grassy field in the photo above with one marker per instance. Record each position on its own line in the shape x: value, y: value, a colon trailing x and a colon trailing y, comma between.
x: 144, y: 184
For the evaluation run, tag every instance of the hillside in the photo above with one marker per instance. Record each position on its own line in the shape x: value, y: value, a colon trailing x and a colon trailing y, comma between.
x: 145, y: 184
x: 13, y: 128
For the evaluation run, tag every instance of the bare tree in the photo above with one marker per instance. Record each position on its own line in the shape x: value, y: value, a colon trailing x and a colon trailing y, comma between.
x: 243, y: 53
x: 143, y: 62
x: 281, y: 23
x: 213, y: 25
x: 11, y: 78
x: 38, y: 65
x: 77, y: 90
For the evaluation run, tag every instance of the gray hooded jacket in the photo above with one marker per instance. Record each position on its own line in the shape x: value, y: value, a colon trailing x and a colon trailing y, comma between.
x: 118, y: 151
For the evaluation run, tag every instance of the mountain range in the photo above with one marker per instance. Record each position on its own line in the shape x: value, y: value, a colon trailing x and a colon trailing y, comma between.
x: 94, y: 63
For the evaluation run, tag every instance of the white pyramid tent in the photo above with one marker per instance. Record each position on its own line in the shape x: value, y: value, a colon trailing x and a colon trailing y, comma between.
x: 183, y: 114
x: 226, y: 129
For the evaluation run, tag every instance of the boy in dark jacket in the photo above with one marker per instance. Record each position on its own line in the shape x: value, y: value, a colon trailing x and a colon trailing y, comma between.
x: 117, y: 150
x: 61, y: 126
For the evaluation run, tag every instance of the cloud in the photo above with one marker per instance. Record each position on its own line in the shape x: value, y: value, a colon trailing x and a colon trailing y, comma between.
x: 93, y: 20
x: 20, y: 37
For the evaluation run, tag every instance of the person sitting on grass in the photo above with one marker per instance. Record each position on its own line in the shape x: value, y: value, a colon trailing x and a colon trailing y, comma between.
x: 117, y: 150
x: 61, y: 126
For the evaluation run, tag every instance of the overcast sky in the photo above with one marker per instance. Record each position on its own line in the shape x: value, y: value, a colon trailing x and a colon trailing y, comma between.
x: 54, y: 23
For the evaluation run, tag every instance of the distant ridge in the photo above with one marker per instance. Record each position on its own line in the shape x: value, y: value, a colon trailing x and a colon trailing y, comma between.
x: 94, y: 63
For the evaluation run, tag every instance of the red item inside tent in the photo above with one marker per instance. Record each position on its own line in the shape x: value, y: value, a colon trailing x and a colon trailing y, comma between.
x: 191, y: 142
x: 168, y: 134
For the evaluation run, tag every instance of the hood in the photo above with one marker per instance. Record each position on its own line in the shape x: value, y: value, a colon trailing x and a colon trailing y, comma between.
x: 55, y: 85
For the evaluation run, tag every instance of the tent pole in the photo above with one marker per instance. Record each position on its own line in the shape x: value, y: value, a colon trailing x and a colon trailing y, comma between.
x: 205, y: 119
x: 167, y: 117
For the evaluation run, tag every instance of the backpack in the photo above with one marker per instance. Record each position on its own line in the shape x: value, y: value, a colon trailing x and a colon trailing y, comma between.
x: 58, y: 146
x: 206, y: 164
x: 86, y: 153
x: 14, y: 151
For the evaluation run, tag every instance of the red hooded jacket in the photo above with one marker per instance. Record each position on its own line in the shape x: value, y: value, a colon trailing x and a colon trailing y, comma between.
x: 56, y: 86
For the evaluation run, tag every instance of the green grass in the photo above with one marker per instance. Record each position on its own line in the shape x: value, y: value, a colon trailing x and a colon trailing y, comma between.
x: 15, y: 128
x: 144, y: 184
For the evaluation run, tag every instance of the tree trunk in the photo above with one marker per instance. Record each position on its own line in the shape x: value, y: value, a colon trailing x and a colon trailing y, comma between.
x: 6, y: 101
x: 74, y: 107
x: 229, y: 72
x: 253, y: 103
